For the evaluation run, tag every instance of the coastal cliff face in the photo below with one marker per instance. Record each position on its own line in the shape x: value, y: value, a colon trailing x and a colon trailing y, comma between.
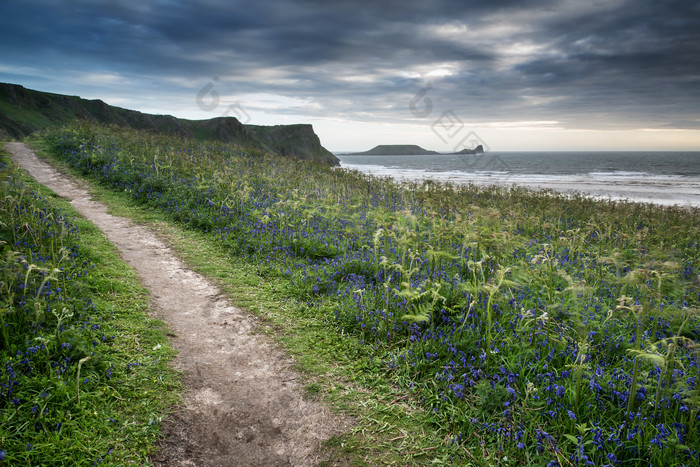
x: 24, y: 111
x: 297, y: 140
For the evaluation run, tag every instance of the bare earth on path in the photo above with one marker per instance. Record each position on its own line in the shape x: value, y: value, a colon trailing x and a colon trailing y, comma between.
x: 243, y: 404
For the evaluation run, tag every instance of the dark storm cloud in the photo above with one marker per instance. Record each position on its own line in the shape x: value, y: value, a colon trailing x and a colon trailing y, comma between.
x: 643, y: 55
x: 616, y: 63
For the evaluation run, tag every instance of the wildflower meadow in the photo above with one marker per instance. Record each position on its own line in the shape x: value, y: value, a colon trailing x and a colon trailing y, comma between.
x: 545, y: 328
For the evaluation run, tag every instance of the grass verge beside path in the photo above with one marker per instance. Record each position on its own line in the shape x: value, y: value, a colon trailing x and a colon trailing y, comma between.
x: 391, y: 428
x: 85, y: 378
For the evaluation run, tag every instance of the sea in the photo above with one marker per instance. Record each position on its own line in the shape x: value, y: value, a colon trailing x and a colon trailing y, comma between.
x: 664, y: 178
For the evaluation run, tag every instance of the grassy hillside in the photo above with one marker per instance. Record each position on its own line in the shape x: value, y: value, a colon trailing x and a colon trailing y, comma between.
x: 529, y: 328
x: 24, y: 111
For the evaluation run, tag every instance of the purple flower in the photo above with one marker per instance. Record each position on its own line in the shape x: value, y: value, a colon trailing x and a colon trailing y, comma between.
x: 571, y: 415
x: 561, y: 391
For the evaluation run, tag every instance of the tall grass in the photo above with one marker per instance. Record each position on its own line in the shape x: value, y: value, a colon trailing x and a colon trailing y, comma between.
x: 537, y: 327
x: 72, y: 389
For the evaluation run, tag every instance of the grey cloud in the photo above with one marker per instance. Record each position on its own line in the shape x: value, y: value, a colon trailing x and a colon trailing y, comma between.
x: 631, y: 65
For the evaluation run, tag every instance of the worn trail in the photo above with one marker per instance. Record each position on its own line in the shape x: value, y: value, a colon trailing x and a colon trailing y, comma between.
x: 243, y: 403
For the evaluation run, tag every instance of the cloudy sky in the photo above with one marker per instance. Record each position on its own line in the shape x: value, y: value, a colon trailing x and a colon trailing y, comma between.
x: 515, y: 75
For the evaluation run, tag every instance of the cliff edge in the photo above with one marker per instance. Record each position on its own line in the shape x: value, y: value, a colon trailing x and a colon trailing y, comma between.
x: 24, y: 111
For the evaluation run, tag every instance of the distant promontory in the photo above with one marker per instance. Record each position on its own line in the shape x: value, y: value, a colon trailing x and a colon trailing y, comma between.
x: 396, y: 150
x: 477, y: 150
x: 410, y: 150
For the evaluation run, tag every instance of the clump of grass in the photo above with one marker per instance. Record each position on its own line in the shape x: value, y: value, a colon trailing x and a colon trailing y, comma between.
x: 494, y: 308
x: 72, y: 385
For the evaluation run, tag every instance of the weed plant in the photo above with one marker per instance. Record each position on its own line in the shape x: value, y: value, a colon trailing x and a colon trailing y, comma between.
x: 536, y: 328
x: 75, y: 388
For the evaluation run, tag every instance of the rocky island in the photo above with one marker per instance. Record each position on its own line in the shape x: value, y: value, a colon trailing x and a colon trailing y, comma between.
x: 396, y: 150
x: 410, y: 150
x: 477, y: 150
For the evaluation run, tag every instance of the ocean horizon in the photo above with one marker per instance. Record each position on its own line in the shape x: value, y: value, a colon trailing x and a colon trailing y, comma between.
x: 660, y: 177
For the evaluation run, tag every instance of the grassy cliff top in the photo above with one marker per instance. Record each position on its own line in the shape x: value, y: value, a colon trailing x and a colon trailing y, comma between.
x: 24, y: 111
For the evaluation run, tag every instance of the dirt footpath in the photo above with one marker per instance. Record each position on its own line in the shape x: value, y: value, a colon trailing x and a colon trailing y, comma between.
x: 243, y: 403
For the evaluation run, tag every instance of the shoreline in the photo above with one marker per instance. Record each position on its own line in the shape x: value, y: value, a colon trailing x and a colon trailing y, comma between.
x: 680, y: 191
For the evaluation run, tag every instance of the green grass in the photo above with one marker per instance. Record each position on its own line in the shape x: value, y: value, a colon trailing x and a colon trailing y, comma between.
x: 389, y: 428
x: 125, y: 387
x: 457, y: 323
